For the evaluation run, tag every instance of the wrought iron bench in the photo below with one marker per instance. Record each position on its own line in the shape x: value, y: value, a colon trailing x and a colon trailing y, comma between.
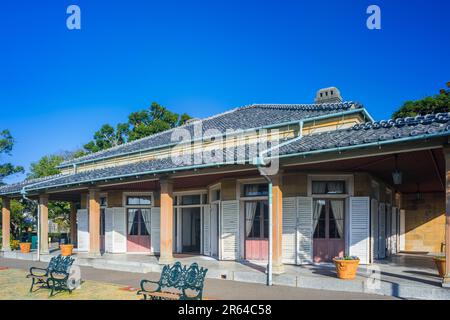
x: 55, y: 276
x: 177, y: 282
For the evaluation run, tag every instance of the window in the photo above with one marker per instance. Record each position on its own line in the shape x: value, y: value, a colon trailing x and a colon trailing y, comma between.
x: 103, y: 202
x: 215, y: 195
x: 328, y: 187
x: 139, y: 200
x: 190, y: 200
x: 256, y: 190
x: 257, y: 219
x: 328, y: 219
x: 139, y: 222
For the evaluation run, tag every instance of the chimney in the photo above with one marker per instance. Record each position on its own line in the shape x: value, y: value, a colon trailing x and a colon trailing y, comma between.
x: 328, y: 95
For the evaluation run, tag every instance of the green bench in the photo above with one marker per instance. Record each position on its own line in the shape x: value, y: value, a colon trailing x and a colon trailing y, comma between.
x: 55, y: 277
x: 177, y: 282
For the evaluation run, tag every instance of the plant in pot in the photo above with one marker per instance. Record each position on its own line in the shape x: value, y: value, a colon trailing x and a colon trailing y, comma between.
x: 66, y: 249
x: 346, y: 267
x: 25, y: 247
x: 440, y: 265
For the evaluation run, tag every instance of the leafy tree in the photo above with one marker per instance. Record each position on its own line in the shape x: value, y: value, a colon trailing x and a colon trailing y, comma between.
x: 108, y: 137
x: 46, y: 166
x: 6, y: 146
x: 434, y: 104
x: 140, y: 124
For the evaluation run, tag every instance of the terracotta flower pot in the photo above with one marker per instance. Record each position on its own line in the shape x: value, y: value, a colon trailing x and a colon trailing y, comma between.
x: 66, y: 249
x: 346, y: 269
x: 440, y: 265
x: 25, y: 247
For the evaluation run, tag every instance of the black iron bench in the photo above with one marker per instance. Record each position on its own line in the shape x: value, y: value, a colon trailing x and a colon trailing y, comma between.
x: 177, y: 282
x: 54, y: 277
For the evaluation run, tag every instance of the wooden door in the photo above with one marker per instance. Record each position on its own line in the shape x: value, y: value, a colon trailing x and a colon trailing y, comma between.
x: 328, y: 219
x: 256, y: 230
x: 138, y: 236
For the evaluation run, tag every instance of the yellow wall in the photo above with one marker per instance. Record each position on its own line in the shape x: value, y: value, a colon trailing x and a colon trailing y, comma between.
x: 424, y: 222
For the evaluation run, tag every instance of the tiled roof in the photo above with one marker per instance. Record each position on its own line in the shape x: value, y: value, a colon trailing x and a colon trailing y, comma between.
x: 243, y: 118
x: 362, y: 135
x: 17, y: 187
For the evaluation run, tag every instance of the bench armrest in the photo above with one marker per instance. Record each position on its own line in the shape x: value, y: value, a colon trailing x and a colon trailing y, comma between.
x: 38, y: 272
x: 144, y: 282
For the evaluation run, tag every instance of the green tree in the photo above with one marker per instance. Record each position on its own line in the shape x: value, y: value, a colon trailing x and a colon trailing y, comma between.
x: 140, y: 124
x: 6, y: 146
x: 434, y: 104
x: 46, y: 166
x: 108, y: 137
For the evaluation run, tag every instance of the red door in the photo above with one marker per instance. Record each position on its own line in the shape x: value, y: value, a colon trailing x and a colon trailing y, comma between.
x: 329, y: 225
x: 256, y: 230
x: 138, y: 238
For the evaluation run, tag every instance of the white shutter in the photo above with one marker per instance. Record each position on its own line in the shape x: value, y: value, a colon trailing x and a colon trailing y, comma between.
x: 119, y: 231
x: 155, y: 233
x: 83, y: 230
x: 230, y: 230
x: 374, y: 229
x: 388, y: 229
x: 359, y: 228
x: 109, y: 229
x: 304, y: 230
x: 394, y: 230
x: 206, y: 230
x: 402, y: 230
x: 289, y: 238
x: 382, y: 231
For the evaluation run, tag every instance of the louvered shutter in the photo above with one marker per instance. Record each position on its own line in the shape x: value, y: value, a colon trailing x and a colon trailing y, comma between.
x: 402, y: 230
x: 359, y: 228
x: 207, y: 230
x: 83, y: 230
x: 230, y: 230
x: 304, y: 230
x: 155, y: 229
x: 394, y: 230
x: 120, y: 230
x: 109, y: 230
x: 382, y: 231
x: 374, y: 229
x: 289, y: 238
x: 388, y: 229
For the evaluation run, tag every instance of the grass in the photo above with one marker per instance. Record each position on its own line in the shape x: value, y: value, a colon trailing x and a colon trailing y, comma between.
x: 15, y: 286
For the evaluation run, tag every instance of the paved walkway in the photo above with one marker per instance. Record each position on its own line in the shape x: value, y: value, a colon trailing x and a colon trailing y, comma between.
x: 214, y: 288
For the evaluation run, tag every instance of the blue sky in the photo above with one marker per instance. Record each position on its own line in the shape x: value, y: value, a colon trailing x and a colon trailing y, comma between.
x: 57, y: 86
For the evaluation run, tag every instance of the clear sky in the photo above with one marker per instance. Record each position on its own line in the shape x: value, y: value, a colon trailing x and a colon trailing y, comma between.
x: 203, y: 57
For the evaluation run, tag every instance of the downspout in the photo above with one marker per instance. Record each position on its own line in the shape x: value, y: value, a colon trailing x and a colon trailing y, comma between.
x: 24, y: 196
x: 259, y: 162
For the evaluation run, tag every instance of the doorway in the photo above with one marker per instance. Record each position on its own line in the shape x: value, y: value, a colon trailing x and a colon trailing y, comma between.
x: 256, y: 230
x: 328, y: 220
x: 191, y: 230
x: 138, y: 239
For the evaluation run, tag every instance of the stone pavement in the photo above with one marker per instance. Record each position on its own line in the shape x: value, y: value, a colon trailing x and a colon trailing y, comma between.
x: 214, y: 288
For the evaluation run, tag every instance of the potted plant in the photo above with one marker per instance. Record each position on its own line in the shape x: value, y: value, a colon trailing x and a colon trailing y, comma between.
x: 25, y: 247
x: 346, y: 267
x: 440, y: 265
x: 66, y: 249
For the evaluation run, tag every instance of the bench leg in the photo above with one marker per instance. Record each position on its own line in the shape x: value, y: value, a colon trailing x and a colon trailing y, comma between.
x: 32, y: 284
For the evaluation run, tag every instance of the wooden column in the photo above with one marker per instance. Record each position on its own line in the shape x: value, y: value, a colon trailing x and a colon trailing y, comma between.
x: 43, y: 238
x: 73, y: 223
x: 166, y: 231
x: 277, y: 224
x: 94, y: 222
x: 446, y: 280
x: 6, y: 224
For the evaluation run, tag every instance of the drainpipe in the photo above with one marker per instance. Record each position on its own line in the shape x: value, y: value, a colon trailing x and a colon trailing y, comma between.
x: 259, y: 162
x: 24, y: 196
